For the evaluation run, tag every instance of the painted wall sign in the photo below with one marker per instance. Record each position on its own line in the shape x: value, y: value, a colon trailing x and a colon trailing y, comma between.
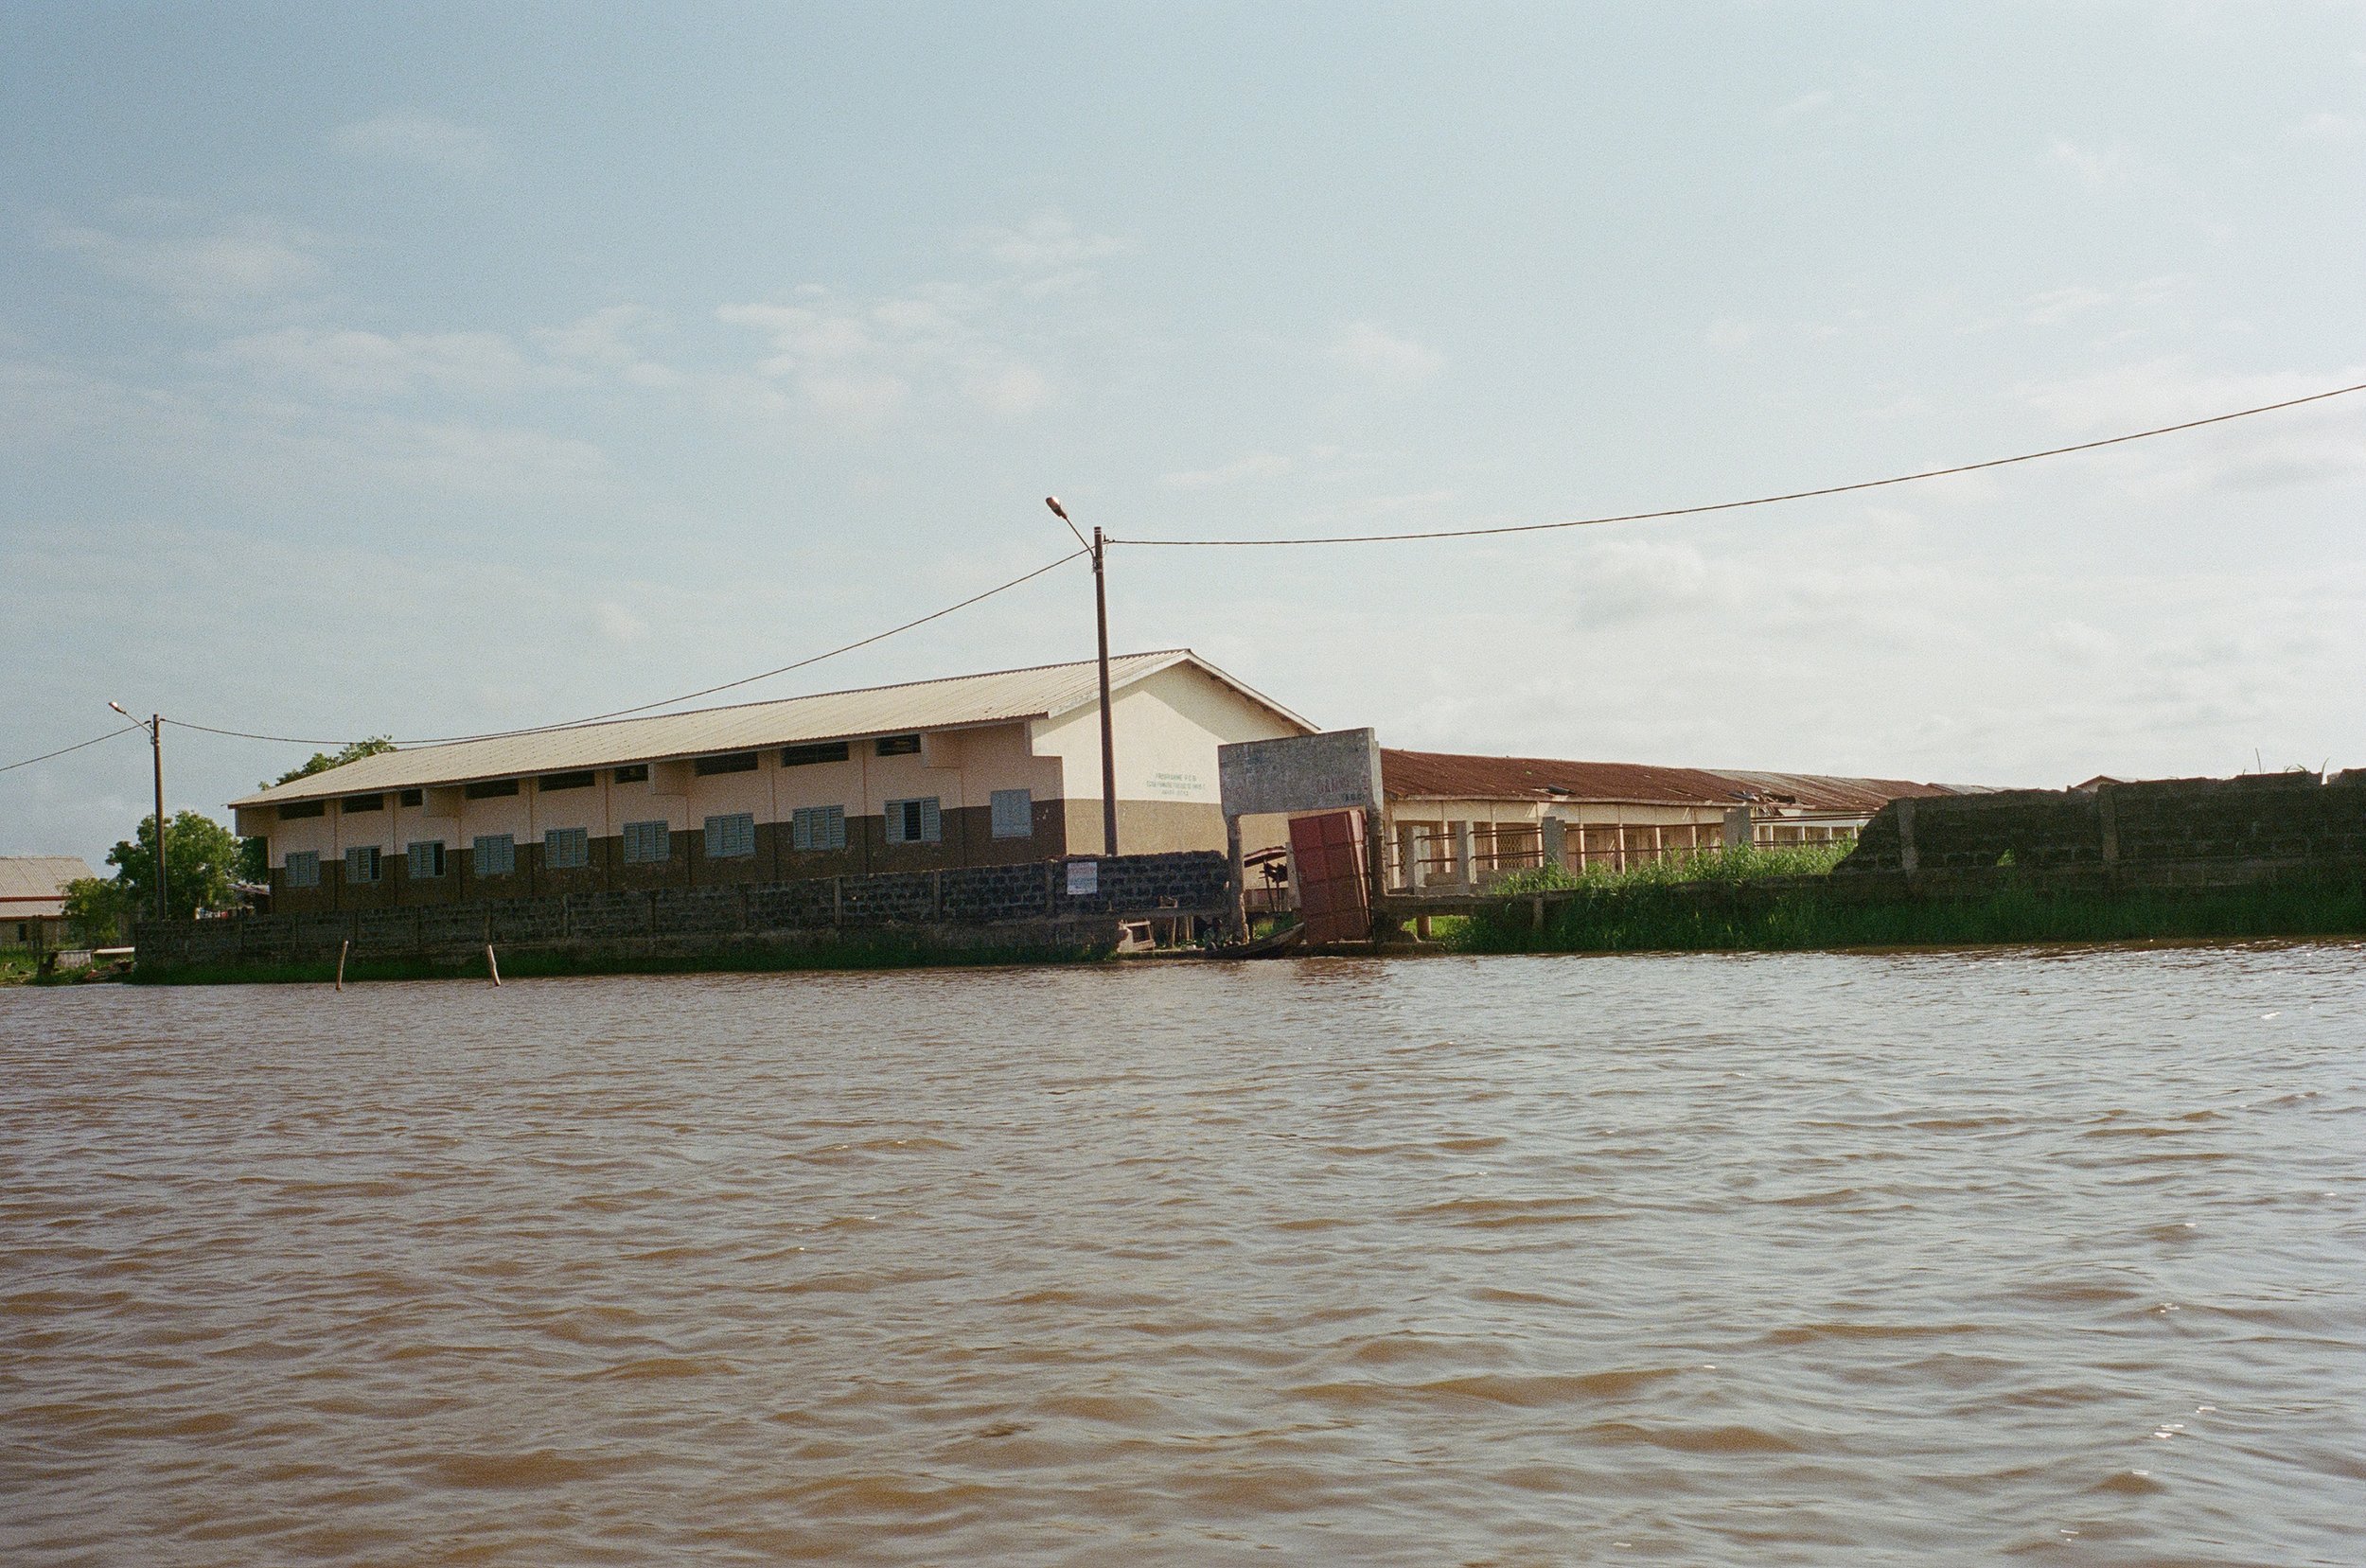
x: 1331, y: 771
x: 1084, y: 878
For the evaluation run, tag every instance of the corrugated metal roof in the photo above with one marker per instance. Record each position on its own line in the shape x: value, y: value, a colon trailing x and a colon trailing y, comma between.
x: 1001, y: 695
x: 35, y: 884
x: 1448, y: 776
x: 1827, y: 792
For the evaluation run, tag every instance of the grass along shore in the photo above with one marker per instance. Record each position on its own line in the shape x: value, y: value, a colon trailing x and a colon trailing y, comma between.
x: 1771, y: 900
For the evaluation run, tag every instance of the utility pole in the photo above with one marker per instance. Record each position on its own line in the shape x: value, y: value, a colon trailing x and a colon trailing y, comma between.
x: 156, y: 750
x: 1098, y: 549
x: 155, y: 728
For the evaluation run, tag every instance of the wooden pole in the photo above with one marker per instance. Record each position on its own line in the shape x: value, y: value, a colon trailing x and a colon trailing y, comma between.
x: 343, y: 948
x: 491, y: 964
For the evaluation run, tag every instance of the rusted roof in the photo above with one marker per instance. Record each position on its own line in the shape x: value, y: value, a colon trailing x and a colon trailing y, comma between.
x: 1449, y: 776
x: 33, y: 885
x: 1046, y: 691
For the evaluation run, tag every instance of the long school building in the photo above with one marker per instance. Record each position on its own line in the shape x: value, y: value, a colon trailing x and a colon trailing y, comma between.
x: 973, y: 770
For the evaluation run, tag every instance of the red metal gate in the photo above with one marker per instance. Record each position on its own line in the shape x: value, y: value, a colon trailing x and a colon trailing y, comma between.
x: 1334, y: 896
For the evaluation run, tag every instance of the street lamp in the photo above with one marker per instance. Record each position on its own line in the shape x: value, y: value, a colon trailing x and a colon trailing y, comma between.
x: 155, y: 728
x: 1108, y: 738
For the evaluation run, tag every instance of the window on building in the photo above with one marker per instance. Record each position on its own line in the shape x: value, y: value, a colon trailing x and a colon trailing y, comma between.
x: 915, y: 822
x: 487, y: 789
x: 737, y: 762
x: 495, y: 854
x: 567, y: 849
x: 427, y: 859
x: 813, y: 751
x: 730, y: 837
x: 633, y: 773
x: 898, y: 745
x: 817, y: 828
x: 360, y: 864
x: 350, y: 804
x: 287, y: 813
x: 413, y: 796
x: 550, y: 781
x: 1013, y: 814
x: 303, y: 870
x: 646, y: 841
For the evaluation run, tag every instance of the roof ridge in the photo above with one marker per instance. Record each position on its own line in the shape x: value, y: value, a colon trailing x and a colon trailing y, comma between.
x: 772, y: 701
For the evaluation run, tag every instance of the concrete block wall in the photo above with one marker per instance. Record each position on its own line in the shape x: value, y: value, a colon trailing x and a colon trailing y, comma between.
x: 970, y: 897
x: 2166, y: 831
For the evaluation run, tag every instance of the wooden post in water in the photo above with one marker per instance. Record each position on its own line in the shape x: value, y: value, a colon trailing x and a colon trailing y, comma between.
x: 492, y: 966
x: 343, y: 948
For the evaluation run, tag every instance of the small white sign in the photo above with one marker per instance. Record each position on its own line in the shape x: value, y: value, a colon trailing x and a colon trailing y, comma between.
x: 1084, y: 878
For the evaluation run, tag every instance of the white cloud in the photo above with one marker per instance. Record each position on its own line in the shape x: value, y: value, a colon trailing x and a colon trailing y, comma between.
x: 2100, y: 168
x: 1255, y: 465
x: 253, y: 446
x: 607, y: 342
x: 2327, y: 125
x: 861, y: 363
x: 354, y: 363
x: 249, y: 260
x: 615, y: 623
x: 1730, y: 334
x: 2302, y: 445
x: 1806, y: 105
x: 1384, y: 360
x: 420, y: 141
x: 1012, y: 390
x: 1048, y: 242
x: 2059, y: 305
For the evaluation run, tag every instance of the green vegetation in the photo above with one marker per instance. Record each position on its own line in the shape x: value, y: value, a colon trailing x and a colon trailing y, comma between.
x: 1657, y: 916
x: 879, y: 951
x: 200, y: 860
x: 1752, y: 864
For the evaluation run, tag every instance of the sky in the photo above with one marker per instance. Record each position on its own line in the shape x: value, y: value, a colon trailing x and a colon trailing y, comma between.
x: 428, y: 369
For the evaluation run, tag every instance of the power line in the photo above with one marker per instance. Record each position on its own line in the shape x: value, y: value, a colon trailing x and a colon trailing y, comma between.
x: 1760, y: 501
x: 664, y: 702
x: 76, y: 746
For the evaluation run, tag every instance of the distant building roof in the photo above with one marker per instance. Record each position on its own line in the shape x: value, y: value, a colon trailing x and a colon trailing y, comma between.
x: 1046, y: 691
x: 1447, y: 776
x: 34, y: 884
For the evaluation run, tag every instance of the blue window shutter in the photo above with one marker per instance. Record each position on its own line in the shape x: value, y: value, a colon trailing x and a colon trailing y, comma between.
x: 931, y: 823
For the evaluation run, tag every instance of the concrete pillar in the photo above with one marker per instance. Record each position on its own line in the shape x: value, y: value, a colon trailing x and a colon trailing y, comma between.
x: 1555, y: 842
x: 1737, y: 827
x: 1465, y: 854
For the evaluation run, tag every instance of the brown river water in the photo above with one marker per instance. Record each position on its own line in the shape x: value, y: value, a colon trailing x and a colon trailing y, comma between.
x: 1827, y: 1260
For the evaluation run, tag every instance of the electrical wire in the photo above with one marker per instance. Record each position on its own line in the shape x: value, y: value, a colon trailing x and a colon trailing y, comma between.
x: 76, y: 746
x: 662, y: 702
x: 1756, y: 501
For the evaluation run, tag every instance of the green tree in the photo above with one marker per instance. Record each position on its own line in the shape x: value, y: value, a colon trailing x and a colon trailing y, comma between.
x: 200, y: 858
x: 255, y: 854
x: 94, y: 908
x: 322, y: 762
